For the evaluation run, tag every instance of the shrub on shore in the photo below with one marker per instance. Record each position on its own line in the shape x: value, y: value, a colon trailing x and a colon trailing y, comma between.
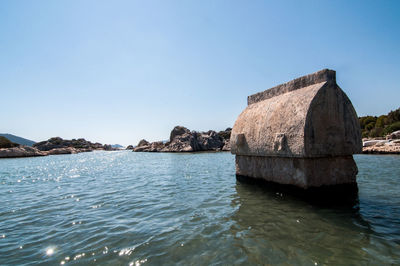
x: 372, y: 126
x: 6, y: 143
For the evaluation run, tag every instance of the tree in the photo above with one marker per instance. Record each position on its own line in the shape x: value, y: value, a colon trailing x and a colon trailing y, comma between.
x: 391, y: 128
x: 393, y: 116
x: 381, y: 121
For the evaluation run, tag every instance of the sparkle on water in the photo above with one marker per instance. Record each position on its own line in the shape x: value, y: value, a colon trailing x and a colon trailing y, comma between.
x: 49, y: 251
x: 125, y: 208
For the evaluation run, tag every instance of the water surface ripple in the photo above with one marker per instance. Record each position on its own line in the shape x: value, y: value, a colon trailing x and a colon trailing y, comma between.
x: 125, y: 208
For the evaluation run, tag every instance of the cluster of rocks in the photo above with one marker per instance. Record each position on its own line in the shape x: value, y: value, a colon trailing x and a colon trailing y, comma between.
x: 81, y: 145
x: 390, y: 145
x: 183, y: 140
x: 54, y: 146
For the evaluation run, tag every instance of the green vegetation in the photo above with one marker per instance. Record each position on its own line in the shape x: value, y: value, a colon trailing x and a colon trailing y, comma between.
x: 6, y: 143
x: 18, y: 140
x: 372, y: 126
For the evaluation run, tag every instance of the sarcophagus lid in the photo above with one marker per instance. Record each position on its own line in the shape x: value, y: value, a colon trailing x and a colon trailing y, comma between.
x: 307, y: 117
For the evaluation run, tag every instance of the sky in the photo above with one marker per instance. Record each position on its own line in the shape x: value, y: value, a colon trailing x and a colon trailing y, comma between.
x: 120, y: 71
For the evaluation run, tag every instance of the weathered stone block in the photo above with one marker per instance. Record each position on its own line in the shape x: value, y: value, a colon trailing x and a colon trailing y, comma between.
x: 307, y: 118
x: 301, y: 172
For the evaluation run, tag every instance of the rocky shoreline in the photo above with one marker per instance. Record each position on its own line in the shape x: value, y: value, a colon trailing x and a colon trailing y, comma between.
x: 183, y: 140
x: 389, y: 145
x: 53, y: 146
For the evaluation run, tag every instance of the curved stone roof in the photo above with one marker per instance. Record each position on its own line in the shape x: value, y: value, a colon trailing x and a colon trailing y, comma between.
x: 307, y: 117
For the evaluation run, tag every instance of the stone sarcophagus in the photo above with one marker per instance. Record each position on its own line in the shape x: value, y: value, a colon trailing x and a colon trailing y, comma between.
x: 303, y: 133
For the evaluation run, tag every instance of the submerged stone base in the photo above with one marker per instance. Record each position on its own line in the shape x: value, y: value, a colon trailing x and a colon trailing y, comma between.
x: 343, y: 195
x: 300, y: 172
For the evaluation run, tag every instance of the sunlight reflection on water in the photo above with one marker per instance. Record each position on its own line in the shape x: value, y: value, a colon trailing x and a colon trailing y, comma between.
x: 125, y: 208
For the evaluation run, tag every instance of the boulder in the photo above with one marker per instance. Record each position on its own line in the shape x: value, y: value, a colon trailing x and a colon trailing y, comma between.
x: 185, y: 142
x: 178, y: 131
x: 143, y: 142
x: 226, y: 135
x: 394, y: 135
x: 227, y: 146
x: 58, y: 151
x: 156, y: 146
x: 209, y: 141
x: 142, y: 146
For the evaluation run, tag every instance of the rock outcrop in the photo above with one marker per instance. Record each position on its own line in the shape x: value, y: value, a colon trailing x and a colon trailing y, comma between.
x: 57, y: 151
x: 300, y: 133
x: 391, y: 145
x: 143, y: 142
x: 54, y: 146
x: 80, y: 145
x: 21, y: 151
x: 108, y: 147
x: 394, y: 135
x: 183, y: 140
x: 227, y: 145
x: 178, y: 131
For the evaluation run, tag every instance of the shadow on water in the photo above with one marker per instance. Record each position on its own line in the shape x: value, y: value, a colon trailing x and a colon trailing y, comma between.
x: 339, y: 196
x: 287, y: 225
x: 339, y: 200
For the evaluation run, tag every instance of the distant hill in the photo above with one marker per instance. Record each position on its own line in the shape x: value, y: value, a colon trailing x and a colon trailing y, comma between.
x: 117, y: 146
x: 18, y: 140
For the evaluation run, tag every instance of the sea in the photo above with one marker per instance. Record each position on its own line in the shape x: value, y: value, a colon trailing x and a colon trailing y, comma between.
x: 126, y: 208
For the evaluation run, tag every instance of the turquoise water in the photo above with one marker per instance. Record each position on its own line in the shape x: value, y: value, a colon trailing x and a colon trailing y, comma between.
x: 125, y: 208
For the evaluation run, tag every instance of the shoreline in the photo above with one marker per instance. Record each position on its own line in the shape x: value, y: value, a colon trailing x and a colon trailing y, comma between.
x: 364, y: 152
x: 26, y: 151
x: 170, y: 152
x: 379, y: 152
x: 53, y: 146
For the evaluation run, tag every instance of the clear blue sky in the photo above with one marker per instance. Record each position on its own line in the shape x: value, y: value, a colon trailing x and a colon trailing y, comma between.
x: 119, y: 71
